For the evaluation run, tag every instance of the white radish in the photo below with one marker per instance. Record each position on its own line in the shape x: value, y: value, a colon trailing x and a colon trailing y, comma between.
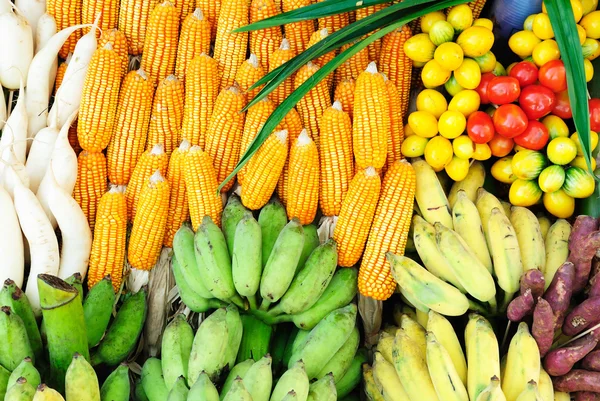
x: 11, y: 241
x: 64, y: 164
x: 17, y: 170
x: 39, y: 155
x: 16, y: 48
x: 14, y: 133
x: 46, y: 29
x: 2, y: 107
x: 5, y: 6
x: 32, y: 10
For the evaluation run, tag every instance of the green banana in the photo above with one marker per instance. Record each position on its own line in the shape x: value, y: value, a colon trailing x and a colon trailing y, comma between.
x: 76, y: 281
x: 483, y: 356
x: 311, y: 242
x: 272, y: 219
x: 294, y: 379
x: 81, y: 382
x: 153, y: 381
x: 14, y: 346
x: 282, y: 264
x: 246, y: 263
x: 235, y: 329
x: 183, y: 247
x: 179, y: 391
x: 20, y: 391
x: 299, y: 341
x: 446, y: 380
x: 190, y: 298
x: 203, y: 389
x: 238, y: 391
x: 238, y: 370
x: 176, y: 346
x: 387, y: 380
x: 291, y: 396
x: 4, y: 377
x: 139, y: 393
x: 97, y: 310
x: 27, y: 370
x: 323, y: 389
x: 123, y: 333
x: 209, y: 347
x: 116, y: 387
x: 233, y: 212
x: 278, y: 344
x: 341, y: 361
x: 289, y: 345
x: 351, y: 379
x: 256, y: 338
x: 259, y: 379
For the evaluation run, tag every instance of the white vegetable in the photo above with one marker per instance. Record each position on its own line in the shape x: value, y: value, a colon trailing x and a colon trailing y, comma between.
x: 16, y: 48
x: 32, y: 10
x: 11, y: 241
x: 39, y: 155
x: 14, y: 133
x: 2, y: 107
x: 46, y: 29
x: 5, y: 6
x: 16, y: 171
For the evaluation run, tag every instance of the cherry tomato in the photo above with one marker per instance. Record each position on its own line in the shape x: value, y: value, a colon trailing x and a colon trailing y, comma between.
x: 595, y: 114
x: 510, y: 120
x: 553, y: 75
x: 562, y: 107
x: 525, y: 72
x: 482, y: 89
x: 537, y: 101
x: 535, y: 136
x: 503, y: 90
x: 501, y: 146
x: 480, y: 127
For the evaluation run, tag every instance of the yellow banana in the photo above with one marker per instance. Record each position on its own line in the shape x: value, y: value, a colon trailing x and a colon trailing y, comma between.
x: 371, y: 390
x: 422, y: 318
x: 483, y: 355
x: 445, y: 378
x: 409, y: 299
x: 522, y: 364
x: 45, y: 393
x: 505, y: 252
x: 412, y: 369
x: 471, y: 273
x: 530, y: 393
x: 390, y: 329
x: 472, y: 182
x: 467, y: 224
x: 485, y: 203
x: 416, y: 333
x: 530, y: 238
x: 401, y: 309
x: 560, y: 396
x: 557, y: 248
x: 493, y: 392
x: 545, y: 386
x: 430, y: 195
x: 544, y: 224
x: 507, y: 208
x: 387, y: 380
x: 384, y: 346
x: 445, y: 334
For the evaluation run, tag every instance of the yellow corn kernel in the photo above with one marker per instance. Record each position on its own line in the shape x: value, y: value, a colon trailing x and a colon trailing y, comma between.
x: 178, y: 203
x: 108, y: 10
x: 73, y: 141
x: 150, y: 161
x: 278, y: 5
x: 160, y: 43
x: 264, y: 169
x: 344, y: 93
x: 298, y: 33
x: 131, y: 129
x: 230, y: 48
x: 356, y: 216
x: 66, y: 13
x: 201, y: 185
x: 396, y: 65
x: 279, y: 57
x: 110, y: 238
x: 292, y: 123
x: 133, y: 21
x: 352, y: 67
x: 211, y: 9
x: 194, y: 40
x: 315, y: 38
x: 249, y: 73
x: 118, y: 40
x: 335, y: 155
x: 60, y: 73
x: 99, y: 99
x: 149, y: 224
x: 396, y: 136
x: 334, y: 22
x: 389, y: 232
x: 167, y: 114
x: 201, y: 90
x: 91, y: 183
x: 371, y: 123
x: 264, y: 42
x: 375, y: 47
x: 303, y: 183
x: 185, y: 8
x: 313, y: 104
x: 224, y: 134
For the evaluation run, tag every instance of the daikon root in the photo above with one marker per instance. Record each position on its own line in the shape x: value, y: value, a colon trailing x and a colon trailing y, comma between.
x: 16, y: 48
x: 11, y: 241
x: 32, y: 10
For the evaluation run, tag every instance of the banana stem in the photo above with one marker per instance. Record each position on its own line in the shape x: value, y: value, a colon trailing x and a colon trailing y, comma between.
x: 264, y: 306
x: 252, y: 302
x: 276, y: 310
x: 263, y: 316
x: 493, y: 305
x: 477, y: 307
x: 239, y: 302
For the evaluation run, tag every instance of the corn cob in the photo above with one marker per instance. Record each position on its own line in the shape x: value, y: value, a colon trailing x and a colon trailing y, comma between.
x: 389, y: 232
x: 352, y: 67
x: 279, y: 57
x: 264, y: 42
x: 133, y: 21
x: 201, y: 186
x: 475, y: 5
x: 334, y: 22
x: 375, y: 47
x: 178, y: 203
x: 316, y: 37
x: 194, y: 40
x: 118, y: 40
x: 396, y: 136
x: 73, y: 141
x: 150, y: 161
x: 278, y: 5
x: 131, y: 129
x: 149, y: 223
x: 60, y: 72
x: 224, y: 134
x: 371, y: 123
x: 335, y: 155
x: 302, y: 190
x: 292, y: 123
x: 230, y: 48
x: 201, y: 90
x: 396, y: 65
x: 99, y: 100
x: 110, y: 237
x: 66, y: 13
x: 211, y: 10
x: 344, y: 93
x: 167, y: 114
x: 160, y: 43
x: 249, y: 73
x: 264, y: 169
x: 185, y: 8
x: 298, y: 33
x: 108, y: 10
x: 313, y: 104
x: 356, y: 216
x: 91, y: 183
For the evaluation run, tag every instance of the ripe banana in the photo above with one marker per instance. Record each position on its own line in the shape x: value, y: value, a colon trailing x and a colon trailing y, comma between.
x: 483, y: 355
x: 238, y: 391
x: 485, y: 203
x: 25, y: 370
x: 246, y: 257
x: 430, y: 195
x: 471, y: 273
x: 234, y: 335
x: 493, y: 392
x: 322, y: 390
x: 81, y: 383
x: 179, y: 391
x: 411, y: 301
x: 183, y: 247
x: 341, y: 361
x: 294, y: 379
x: 422, y: 317
x: 272, y: 219
x: 233, y: 212
x: 15, y: 345
x: 530, y: 393
x: 446, y: 380
x: 426, y: 288
x: 472, y: 182
x: 507, y: 208
x: 371, y: 390
x: 522, y: 363
x: 20, y: 391
x: 557, y: 248
x: 259, y: 379
x: 416, y: 332
x: 467, y: 224
x: 97, y: 310
x: 238, y: 370
x: 209, y: 347
x: 544, y: 224
x: 176, y: 346
x: 446, y: 336
x: 204, y: 389
x: 387, y: 379
x: 384, y: 346
x: 45, y: 393
x: 530, y: 238
x: 116, y: 387
x: 560, y: 396
x: 545, y: 386
x: 505, y: 251
x: 352, y: 377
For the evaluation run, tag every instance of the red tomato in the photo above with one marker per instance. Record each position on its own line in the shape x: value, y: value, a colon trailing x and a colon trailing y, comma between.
x: 503, y: 90
x: 525, y: 72
x: 482, y: 89
x: 535, y: 136
x: 595, y: 114
x: 553, y: 75
x: 510, y: 120
x: 562, y: 107
x: 536, y: 101
x: 480, y: 127
x: 501, y: 146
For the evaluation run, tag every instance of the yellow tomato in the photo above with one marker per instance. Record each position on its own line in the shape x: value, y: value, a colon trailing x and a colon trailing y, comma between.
x: 561, y: 150
x: 593, y: 140
x: 408, y: 131
x: 463, y: 147
x: 441, y: 32
x: 419, y: 64
x: 457, y: 169
x: 482, y: 151
x: 559, y: 204
x: 461, y: 17
x: 589, y: 6
x: 502, y: 170
x: 434, y: 75
x: 438, y: 152
x: 542, y: 28
x: 528, y: 24
x: 522, y: 43
x: 499, y: 70
x: 476, y: 41
x: 510, y: 67
x: 524, y: 193
x: 452, y: 124
x: 591, y: 24
x: 518, y: 148
x: 556, y: 126
x: 589, y: 70
x: 452, y: 86
x: 484, y: 22
x: 449, y: 55
x: 432, y: 101
x: 590, y: 49
x: 551, y: 178
x: 487, y: 62
x: 579, y: 161
x: 429, y: 19
x: 581, y: 34
x: 414, y: 146
x: 545, y: 52
x: 419, y: 48
x: 423, y: 123
x: 575, y: 5
x: 466, y: 101
x: 468, y: 75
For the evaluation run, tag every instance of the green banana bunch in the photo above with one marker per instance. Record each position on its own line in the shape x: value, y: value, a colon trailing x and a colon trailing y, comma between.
x: 259, y: 379
x: 27, y: 370
x: 15, y: 345
x: 190, y: 298
x: 530, y: 238
x: 203, y: 389
x: 445, y: 378
x: 493, y: 392
x: 352, y: 377
x: 176, y: 347
x: 246, y: 257
x: 545, y: 386
x: 483, y: 355
x: 232, y: 214
x: 340, y: 362
x: 76, y: 281
x: 272, y: 219
x: 291, y: 396
x: 234, y: 335
x: 446, y: 336
x: 322, y: 390
x: 238, y: 370
x: 116, y: 387
x: 277, y: 345
x: 294, y: 379
x: 238, y: 391
x: 530, y: 393
x: 20, y: 391
x: 387, y: 379
x: 522, y: 363
x: 183, y: 247
x: 256, y: 338
x: 81, y: 383
x: 179, y: 391
x: 152, y: 380
x: 138, y: 393
x: 209, y: 347
x: 45, y: 393
x: 311, y: 242
x: 97, y: 310
x: 4, y: 377
x: 415, y: 331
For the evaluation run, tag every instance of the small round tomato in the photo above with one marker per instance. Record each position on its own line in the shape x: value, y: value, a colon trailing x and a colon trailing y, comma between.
x: 482, y: 89
x: 480, y: 127
x: 537, y: 101
x: 562, y: 107
x: 535, y: 136
x: 501, y: 146
x: 594, y: 114
x: 525, y: 72
x: 503, y: 90
x: 510, y: 120
x: 553, y: 75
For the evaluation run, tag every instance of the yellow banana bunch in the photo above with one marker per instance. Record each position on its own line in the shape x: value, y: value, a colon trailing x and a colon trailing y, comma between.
x: 387, y: 380
x: 472, y: 182
x: 45, y: 393
x: 446, y: 336
x: 485, y: 203
x: 384, y: 346
x: 422, y: 317
x: 560, y: 396
x: 492, y: 392
x: 430, y: 195
x: 530, y: 238
x: 522, y: 365
x: 544, y: 224
x: 507, y: 208
x: 530, y: 393
x: 545, y: 386
x: 415, y: 331
x: 557, y: 248
x: 445, y: 378
x: 483, y: 355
